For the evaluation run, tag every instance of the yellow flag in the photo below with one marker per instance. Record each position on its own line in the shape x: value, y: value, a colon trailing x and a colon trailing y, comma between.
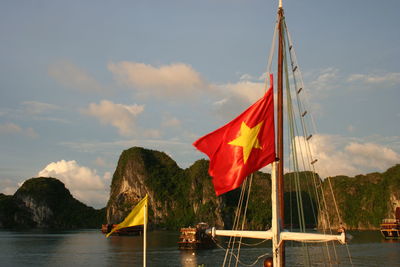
x: 136, y: 217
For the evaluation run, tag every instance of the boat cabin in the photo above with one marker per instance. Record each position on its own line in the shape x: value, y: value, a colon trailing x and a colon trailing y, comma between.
x: 390, y: 228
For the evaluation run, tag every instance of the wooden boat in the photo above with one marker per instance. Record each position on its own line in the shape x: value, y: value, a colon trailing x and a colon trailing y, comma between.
x: 390, y: 228
x: 193, y: 238
x: 133, y: 230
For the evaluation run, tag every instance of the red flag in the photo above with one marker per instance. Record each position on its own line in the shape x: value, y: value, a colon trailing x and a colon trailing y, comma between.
x: 242, y: 146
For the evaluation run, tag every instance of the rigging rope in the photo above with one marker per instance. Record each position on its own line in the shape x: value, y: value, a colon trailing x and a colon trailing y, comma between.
x: 291, y: 122
x: 271, y: 55
x: 235, y: 223
x: 237, y: 258
x: 229, y: 251
x: 300, y: 159
x: 294, y: 132
x: 244, y: 214
x: 302, y: 111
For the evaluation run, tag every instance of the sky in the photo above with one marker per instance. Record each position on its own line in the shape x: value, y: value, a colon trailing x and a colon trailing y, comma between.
x: 81, y: 81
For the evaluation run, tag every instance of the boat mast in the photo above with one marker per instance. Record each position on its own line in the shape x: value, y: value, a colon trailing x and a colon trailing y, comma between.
x: 277, y: 233
x: 279, y: 140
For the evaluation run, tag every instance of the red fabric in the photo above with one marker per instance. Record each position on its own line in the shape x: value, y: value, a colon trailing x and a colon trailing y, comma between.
x: 227, y: 165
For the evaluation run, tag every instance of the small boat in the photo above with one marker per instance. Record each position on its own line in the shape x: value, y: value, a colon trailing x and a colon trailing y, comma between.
x: 193, y: 238
x: 390, y: 228
x: 133, y: 230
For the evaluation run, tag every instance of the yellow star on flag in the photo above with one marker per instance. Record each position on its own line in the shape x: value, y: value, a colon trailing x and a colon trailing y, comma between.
x: 247, y: 139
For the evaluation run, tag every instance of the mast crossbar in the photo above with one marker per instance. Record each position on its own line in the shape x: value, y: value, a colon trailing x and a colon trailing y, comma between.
x: 276, y: 233
x: 285, y: 235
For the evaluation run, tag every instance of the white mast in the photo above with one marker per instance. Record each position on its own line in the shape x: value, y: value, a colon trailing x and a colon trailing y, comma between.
x: 276, y: 214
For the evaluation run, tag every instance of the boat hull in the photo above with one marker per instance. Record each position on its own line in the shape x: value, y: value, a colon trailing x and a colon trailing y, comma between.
x: 390, y: 228
x: 390, y: 233
x: 133, y: 230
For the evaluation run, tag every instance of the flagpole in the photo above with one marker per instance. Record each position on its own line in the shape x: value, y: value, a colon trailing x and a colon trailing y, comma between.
x: 279, y: 140
x: 145, y: 235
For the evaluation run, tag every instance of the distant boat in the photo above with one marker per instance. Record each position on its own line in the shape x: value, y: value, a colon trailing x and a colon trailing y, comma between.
x: 133, y: 230
x: 193, y: 238
x: 390, y: 228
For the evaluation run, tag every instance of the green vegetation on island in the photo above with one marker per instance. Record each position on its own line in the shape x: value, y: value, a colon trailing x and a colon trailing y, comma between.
x: 183, y: 197
x: 46, y: 203
x: 364, y: 200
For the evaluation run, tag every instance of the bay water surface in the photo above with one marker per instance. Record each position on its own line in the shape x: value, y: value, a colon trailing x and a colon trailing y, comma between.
x: 91, y: 248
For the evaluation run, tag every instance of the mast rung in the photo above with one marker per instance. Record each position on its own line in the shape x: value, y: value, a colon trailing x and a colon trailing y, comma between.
x: 309, y: 137
x: 304, y: 113
x: 295, y: 68
x: 314, y: 161
x: 298, y: 91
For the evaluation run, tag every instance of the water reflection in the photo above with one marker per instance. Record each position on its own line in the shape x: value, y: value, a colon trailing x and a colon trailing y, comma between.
x: 188, y: 258
x: 124, y: 250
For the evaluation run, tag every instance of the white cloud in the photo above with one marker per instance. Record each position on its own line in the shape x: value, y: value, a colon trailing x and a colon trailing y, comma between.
x: 339, y: 155
x: 179, y: 80
x: 246, y: 77
x: 324, y: 80
x: 384, y: 79
x: 229, y: 107
x: 236, y: 97
x: 372, y: 155
x: 84, y: 183
x: 221, y: 102
x: 246, y: 90
x: 12, y: 128
x: 174, y: 80
x: 123, y: 117
x: 70, y: 75
x: 332, y: 160
x: 8, y: 186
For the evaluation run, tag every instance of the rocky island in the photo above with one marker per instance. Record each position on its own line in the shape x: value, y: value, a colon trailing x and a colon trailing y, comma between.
x: 46, y: 203
x: 182, y: 197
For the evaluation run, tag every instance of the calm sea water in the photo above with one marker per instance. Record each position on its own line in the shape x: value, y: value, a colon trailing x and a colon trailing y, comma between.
x: 91, y: 248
